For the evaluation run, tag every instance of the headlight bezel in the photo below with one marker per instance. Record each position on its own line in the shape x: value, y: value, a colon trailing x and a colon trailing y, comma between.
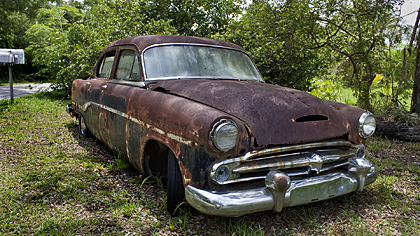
x: 218, y: 129
x: 366, y: 119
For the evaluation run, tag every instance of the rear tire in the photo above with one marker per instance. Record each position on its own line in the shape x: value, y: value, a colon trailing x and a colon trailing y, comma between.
x: 175, y: 186
x: 83, y: 129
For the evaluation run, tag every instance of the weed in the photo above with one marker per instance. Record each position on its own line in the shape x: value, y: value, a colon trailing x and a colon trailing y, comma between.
x: 242, y: 226
x: 414, y: 169
x: 130, y: 209
x: 184, y: 216
x: 414, y: 145
x: 152, y: 179
x: 310, y: 216
x: 119, y: 164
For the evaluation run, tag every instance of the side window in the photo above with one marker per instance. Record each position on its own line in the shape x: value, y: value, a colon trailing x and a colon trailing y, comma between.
x: 106, y: 65
x: 128, y: 66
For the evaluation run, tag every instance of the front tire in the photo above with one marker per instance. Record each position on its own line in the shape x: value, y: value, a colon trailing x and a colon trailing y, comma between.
x: 175, y: 186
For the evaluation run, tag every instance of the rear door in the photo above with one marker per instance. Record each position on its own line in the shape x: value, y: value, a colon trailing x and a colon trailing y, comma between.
x: 102, y: 74
x: 115, y: 96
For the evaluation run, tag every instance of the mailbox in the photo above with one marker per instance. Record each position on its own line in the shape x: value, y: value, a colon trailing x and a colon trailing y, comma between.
x: 12, y: 56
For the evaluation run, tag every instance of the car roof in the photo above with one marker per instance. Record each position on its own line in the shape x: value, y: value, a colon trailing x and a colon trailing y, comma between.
x: 145, y: 41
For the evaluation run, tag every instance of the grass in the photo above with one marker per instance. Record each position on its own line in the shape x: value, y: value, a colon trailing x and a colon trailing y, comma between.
x: 53, y: 181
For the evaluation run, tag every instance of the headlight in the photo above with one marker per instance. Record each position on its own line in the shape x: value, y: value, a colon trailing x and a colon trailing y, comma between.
x: 367, y: 125
x: 224, y: 135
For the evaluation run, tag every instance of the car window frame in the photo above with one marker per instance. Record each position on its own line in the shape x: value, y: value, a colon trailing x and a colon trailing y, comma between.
x: 100, y: 63
x: 143, y: 67
x: 120, y: 52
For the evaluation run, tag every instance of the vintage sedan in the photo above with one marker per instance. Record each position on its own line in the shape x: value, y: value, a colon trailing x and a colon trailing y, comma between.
x: 197, y: 112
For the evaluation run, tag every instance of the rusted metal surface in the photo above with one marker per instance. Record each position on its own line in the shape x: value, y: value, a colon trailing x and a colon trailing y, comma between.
x: 128, y: 116
x: 144, y: 41
x: 273, y: 113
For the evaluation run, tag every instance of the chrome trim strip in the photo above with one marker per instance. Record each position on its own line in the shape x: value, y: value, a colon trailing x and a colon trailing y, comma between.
x: 269, y: 151
x: 335, y: 166
x: 128, y: 117
x: 129, y: 83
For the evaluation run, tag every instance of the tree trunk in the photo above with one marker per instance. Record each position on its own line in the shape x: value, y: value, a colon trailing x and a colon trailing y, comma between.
x: 364, y: 96
x: 403, y: 69
x: 393, y: 131
x: 415, y: 101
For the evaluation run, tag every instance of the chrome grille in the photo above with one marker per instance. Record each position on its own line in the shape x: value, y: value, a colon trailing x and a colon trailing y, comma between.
x: 296, y: 161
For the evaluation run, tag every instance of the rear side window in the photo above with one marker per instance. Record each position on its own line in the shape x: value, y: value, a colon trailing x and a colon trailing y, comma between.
x: 128, y: 66
x: 106, y: 65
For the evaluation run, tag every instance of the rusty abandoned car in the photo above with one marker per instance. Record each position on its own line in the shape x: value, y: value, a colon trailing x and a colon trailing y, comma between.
x: 197, y: 112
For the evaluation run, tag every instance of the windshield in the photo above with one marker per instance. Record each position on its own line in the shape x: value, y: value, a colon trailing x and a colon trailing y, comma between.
x: 196, y: 61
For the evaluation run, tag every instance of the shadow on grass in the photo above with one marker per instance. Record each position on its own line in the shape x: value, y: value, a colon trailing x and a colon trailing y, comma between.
x: 54, y: 95
x: 119, y: 194
x: 102, y: 153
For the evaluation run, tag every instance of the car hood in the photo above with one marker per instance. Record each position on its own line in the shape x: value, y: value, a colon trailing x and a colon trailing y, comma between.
x: 275, y: 115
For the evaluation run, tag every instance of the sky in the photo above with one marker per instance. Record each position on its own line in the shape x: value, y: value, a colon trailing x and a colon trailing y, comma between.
x: 408, y: 7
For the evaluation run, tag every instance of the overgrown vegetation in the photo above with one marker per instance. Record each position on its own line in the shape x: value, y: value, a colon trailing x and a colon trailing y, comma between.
x: 54, y: 181
x: 355, y: 46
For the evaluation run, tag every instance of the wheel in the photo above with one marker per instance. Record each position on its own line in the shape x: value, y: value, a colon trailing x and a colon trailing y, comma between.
x: 155, y: 160
x: 83, y: 129
x: 147, y: 169
x: 175, y: 187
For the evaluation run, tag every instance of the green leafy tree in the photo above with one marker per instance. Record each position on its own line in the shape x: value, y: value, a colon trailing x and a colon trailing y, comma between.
x: 68, y: 38
x: 16, y: 16
x: 280, y: 49
x: 66, y: 41
x: 354, y: 31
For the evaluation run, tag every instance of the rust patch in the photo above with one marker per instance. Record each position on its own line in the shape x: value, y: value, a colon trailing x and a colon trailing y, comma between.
x: 281, y: 181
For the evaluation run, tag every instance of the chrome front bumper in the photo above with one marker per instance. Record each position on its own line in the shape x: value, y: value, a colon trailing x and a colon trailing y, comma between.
x: 280, y: 191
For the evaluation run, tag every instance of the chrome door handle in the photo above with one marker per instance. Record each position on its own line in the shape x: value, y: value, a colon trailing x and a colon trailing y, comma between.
x: 104, y: 86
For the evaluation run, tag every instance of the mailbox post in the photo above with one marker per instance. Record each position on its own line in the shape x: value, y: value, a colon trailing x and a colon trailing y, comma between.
x: 11, y: 57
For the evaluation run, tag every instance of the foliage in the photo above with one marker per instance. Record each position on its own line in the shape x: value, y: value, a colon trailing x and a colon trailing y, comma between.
x: 16, y: 16
x: 326, y: 89
x: 395, y: 88
x: 197, y: 18
x: 279, y: 48
x: 304, y: 44
x: 398, y: 116
x: 67, y: 39
x: 353, y: 30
